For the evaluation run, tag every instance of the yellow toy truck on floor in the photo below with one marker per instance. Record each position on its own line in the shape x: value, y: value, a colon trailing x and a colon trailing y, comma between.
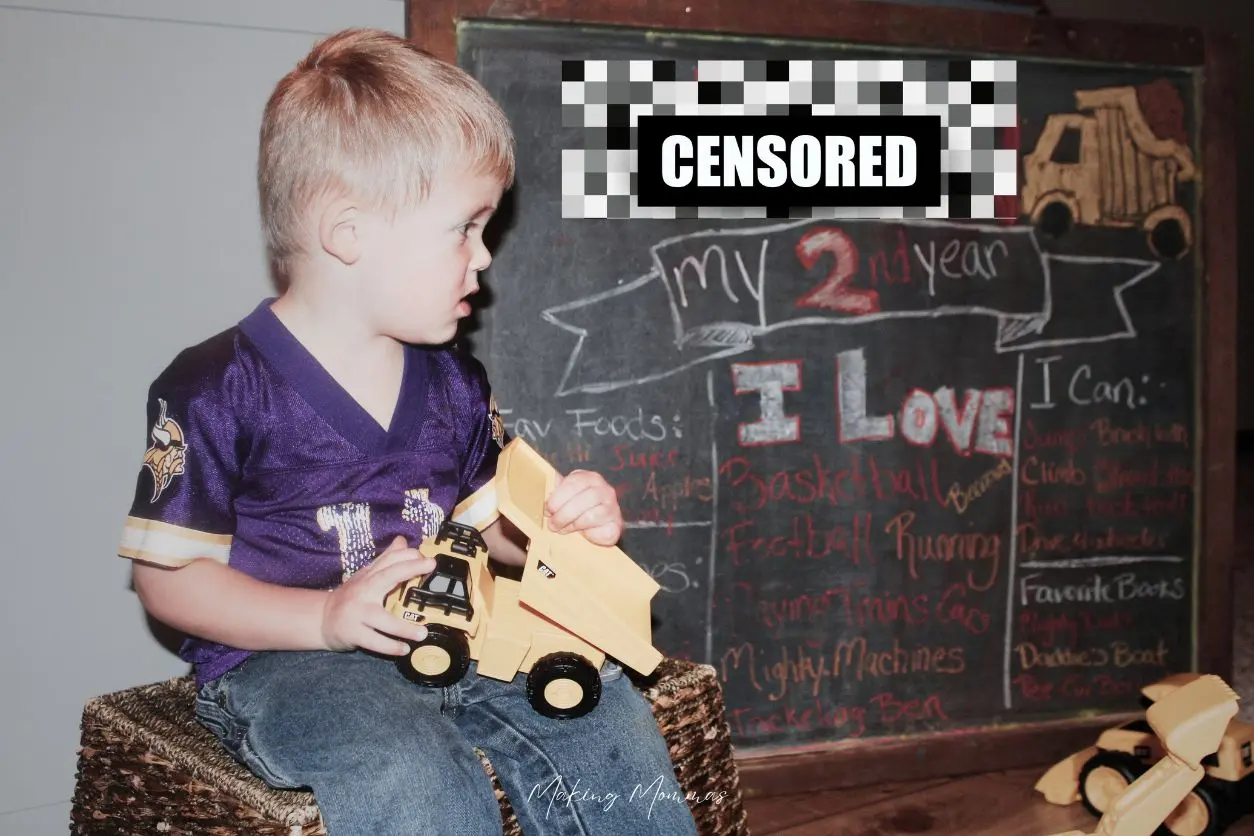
x: 1199, y: 781
x: 576, y: 602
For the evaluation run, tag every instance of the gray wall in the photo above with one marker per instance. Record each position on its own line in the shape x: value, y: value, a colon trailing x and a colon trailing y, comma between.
x: 128, y: 229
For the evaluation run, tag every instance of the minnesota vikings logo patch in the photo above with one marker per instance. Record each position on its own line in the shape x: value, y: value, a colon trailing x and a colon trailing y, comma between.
x: 168, y: 453
x: 498, y: 424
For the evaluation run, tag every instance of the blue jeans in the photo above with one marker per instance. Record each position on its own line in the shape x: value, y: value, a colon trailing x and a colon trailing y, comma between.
x: 384, y: 756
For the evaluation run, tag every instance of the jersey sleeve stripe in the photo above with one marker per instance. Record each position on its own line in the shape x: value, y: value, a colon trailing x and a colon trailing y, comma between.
x: 170, y: 545
x: 479, y: 509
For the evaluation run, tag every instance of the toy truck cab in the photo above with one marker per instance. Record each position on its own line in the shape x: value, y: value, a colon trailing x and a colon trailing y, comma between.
x: 575, y: 604
x: 448, y: 600
x: 445, y: 589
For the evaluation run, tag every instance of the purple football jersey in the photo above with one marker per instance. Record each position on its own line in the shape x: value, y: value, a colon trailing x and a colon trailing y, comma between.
x: 258, y: 458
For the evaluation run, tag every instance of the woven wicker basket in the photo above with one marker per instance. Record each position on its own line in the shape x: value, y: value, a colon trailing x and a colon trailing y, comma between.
x: 146, y: 766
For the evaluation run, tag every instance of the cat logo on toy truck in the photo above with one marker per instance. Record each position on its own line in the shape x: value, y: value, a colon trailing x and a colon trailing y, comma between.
x: 1098, y: 775
x: 575, y: 603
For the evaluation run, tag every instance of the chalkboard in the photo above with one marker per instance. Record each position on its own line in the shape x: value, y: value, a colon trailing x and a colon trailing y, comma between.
x: 895, y: 477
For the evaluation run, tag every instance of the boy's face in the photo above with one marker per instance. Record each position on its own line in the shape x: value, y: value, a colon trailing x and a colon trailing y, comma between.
x: 424, y: 264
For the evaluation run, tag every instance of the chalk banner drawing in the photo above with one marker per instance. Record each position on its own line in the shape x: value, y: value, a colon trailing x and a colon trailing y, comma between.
x: 722, y: 288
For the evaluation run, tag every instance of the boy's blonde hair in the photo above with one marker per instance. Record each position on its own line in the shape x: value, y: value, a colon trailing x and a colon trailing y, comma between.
x: 369, y: 114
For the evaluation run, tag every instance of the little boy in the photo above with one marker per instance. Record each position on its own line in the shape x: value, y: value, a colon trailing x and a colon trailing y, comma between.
x: 295, y: 462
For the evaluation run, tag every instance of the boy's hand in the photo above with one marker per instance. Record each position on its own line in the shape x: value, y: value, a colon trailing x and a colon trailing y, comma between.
x: 584, y: 501
x: 354, y: 617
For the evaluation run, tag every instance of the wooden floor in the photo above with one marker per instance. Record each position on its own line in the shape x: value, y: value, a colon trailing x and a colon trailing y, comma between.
x: 996, y: 804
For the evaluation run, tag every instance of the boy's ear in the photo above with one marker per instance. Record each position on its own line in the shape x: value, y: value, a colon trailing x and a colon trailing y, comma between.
x: 340, y: 232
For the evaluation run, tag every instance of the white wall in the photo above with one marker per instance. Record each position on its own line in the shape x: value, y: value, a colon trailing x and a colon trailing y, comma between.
x: 128, y: 229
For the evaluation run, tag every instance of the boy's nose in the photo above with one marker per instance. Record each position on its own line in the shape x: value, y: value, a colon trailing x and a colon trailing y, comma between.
x: 482, y: 260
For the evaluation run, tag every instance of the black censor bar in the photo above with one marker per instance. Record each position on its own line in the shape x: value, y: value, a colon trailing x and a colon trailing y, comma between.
x: 789, y: 161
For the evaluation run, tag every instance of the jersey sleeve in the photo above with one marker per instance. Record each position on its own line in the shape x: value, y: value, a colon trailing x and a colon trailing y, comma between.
x: 182, y: 508
x: 485, y: 438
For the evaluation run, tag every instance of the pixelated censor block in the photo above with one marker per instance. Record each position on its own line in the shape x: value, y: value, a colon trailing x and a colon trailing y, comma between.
x: 973, y: 105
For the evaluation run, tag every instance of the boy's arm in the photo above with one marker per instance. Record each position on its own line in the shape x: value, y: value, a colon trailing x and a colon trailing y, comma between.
x: 212, y: 601
x: 181, y: 522
x: 180, y: 527
x: 581, y: 500
x: 505, y: 542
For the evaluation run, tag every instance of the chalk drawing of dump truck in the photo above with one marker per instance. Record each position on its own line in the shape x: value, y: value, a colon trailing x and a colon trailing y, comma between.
x: 1104, y: 166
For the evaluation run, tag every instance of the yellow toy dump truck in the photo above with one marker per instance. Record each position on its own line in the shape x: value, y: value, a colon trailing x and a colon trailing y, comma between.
x: 576, y: 602
x: 1099, y: 775
x: 1106, y: 167
x: 1191, y: 721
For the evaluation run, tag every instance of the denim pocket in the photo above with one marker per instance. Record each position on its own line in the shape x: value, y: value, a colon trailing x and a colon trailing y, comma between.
x: 610, y: 671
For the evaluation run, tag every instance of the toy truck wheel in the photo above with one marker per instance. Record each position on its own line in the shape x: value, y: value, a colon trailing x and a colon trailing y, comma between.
x: 441, y: 659
x: 1197, y: 815
x: 563, y: 686
x: 1104, y: 778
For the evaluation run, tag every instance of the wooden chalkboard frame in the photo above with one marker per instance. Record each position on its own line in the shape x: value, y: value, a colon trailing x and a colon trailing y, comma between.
x: 433, y: 24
